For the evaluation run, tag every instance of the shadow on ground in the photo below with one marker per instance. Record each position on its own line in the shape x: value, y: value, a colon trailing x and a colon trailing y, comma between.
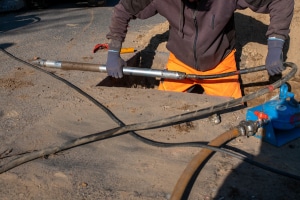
x: 245, y: 181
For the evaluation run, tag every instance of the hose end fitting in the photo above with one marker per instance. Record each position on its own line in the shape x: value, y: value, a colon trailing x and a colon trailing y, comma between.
x: 248, y: 128
x: 40, y: 62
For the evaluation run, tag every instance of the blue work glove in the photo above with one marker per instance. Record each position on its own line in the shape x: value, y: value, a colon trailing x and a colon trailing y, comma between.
x: 114, y: 63
x: 274, y: 60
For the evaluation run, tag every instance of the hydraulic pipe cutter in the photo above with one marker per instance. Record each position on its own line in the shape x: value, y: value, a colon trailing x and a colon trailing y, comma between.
x: 282, y: 117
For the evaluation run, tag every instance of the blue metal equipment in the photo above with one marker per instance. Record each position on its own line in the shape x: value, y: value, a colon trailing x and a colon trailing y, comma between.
x: 282, y: 116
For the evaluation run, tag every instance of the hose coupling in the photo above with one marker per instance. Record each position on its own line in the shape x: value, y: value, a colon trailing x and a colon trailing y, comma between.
x: 248, y: 128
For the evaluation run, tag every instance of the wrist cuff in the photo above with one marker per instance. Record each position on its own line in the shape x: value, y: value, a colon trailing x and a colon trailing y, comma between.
x: 114, y: 51
x: 275, y: 38
x: 115, y: 45
x: 275, y: 43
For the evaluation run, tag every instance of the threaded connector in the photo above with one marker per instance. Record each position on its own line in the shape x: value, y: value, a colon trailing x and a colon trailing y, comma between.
x: 248, y: 128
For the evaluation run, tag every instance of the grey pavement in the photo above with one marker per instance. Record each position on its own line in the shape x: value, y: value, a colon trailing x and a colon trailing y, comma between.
x: 64, y: 31
x: 38, y: 111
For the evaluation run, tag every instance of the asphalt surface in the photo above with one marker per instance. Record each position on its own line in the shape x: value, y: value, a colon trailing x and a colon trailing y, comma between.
x: 40, y: 111
x: 34, y: 32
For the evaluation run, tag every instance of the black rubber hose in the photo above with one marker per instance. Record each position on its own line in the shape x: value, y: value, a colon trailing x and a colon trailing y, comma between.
x: 217, y: 149
x: 201, y: 145
x: 149, y: 125
x: 133, y: 133
x: 238, y: 72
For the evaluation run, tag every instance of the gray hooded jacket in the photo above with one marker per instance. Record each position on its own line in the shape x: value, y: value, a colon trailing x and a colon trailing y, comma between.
x: 201, y: 34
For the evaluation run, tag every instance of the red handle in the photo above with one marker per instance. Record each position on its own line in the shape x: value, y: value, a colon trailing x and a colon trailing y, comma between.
x: 261, y: 115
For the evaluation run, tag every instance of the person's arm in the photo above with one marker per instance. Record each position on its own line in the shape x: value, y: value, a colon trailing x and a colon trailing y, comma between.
x: 123, y: 12
x: 281, y: 14
x: 117, y: 33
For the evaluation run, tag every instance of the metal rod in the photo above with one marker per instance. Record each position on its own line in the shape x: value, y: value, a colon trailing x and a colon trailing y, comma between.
x: 133, y: 71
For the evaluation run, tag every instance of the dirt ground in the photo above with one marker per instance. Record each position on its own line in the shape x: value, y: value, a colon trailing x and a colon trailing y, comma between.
x: 39, y: 111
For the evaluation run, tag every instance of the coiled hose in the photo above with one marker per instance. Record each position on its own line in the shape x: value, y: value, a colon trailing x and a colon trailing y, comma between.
x: 75, y: 143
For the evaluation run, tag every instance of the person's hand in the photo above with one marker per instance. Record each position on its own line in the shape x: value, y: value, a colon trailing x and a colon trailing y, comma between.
x: 114, y: 64
x: 274, y: 62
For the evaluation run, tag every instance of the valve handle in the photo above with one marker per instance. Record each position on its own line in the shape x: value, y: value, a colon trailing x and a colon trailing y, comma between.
x: 284, y: 92
x: 261, y: 115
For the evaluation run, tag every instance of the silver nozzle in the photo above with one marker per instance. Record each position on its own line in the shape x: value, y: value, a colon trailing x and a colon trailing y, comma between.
x: 47, y: 63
